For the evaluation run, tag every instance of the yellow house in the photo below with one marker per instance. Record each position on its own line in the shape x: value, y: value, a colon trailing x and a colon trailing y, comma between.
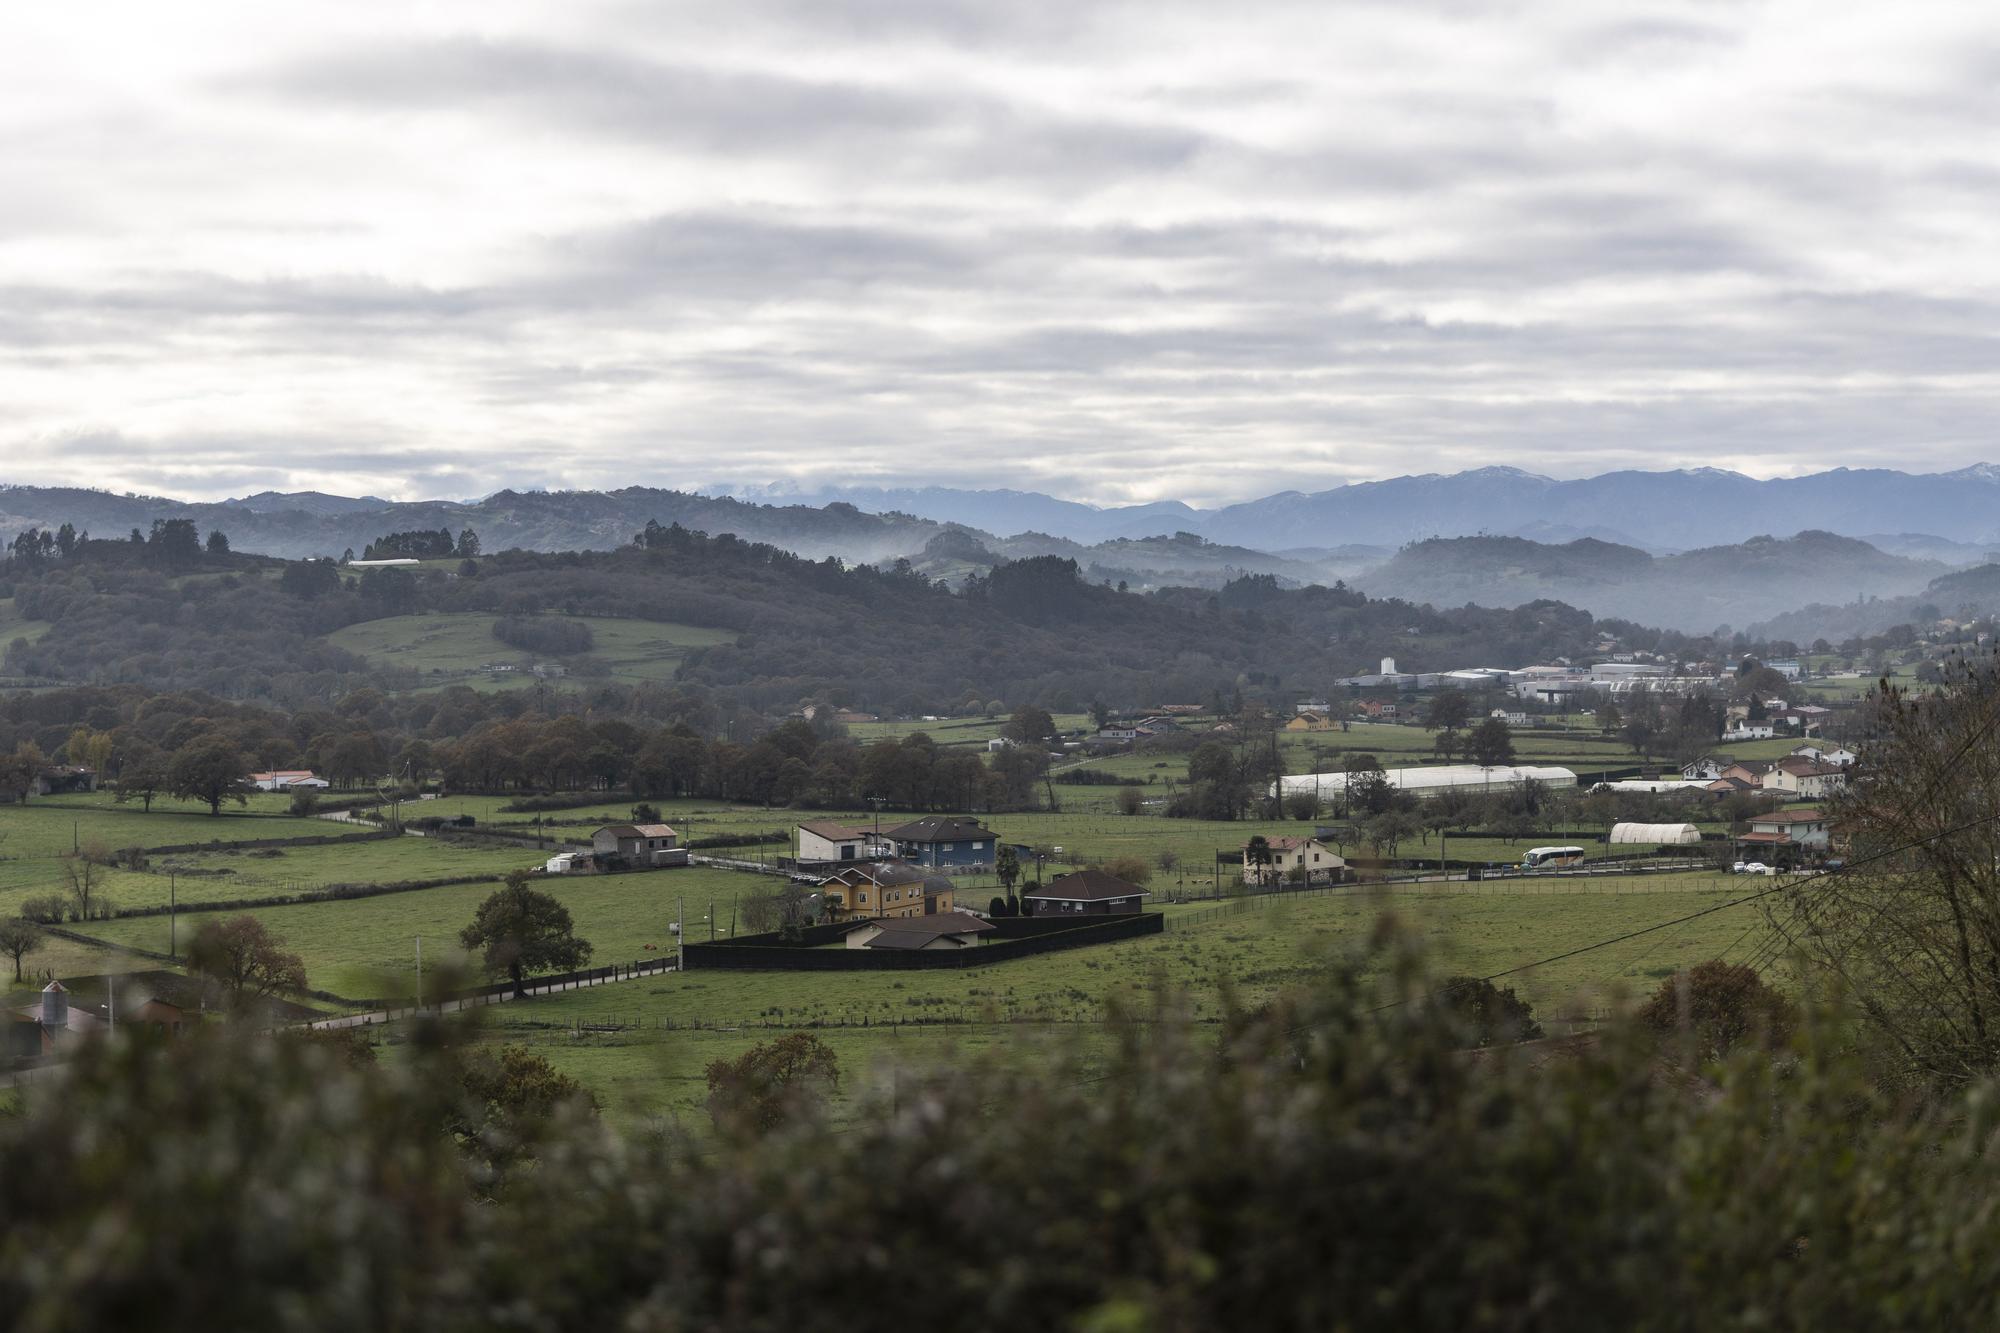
x: 1310, y: 722
x: 887, y: 889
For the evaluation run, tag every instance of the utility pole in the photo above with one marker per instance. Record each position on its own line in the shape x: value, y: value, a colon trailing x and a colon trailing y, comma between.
x: 711, y: 920
x: 680, y: 933
x: 420, y: 972
x: 173, y: 917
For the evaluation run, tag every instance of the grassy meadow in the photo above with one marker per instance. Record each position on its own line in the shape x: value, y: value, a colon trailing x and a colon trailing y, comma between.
x: 653, y: 1037
x: 460, y: 643
x: 668, y: 1028
x: 14, y: 626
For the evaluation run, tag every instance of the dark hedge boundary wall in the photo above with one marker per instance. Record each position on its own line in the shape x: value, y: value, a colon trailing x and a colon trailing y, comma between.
x: 1019, y: 937
x: 252, y: 844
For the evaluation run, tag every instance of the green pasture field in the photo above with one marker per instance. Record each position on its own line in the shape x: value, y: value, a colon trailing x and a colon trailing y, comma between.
x: 1865, y: 683
x: 63, y: 958
x: 953, y: 731
x: 462, y: 642
x: 266, y: 871
x: 52, y: 826
x: 649, y: 1070
x: 366, y: 947
x: 14, y: 626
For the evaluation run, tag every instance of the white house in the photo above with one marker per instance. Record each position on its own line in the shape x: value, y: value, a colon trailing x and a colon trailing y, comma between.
x: 1706, y: 769
x: 1314, y: 857
x: 1750, y: 731
x: 1839, y: 756
x: 1807, y: 778
x: 287, y: 779
x: 1789, y: 828
x: 825, y: 840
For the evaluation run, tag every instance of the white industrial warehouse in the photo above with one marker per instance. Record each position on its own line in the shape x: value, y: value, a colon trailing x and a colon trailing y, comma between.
x: 1653, y: 786
x: 1438, y: 777
x: 1654, y: 835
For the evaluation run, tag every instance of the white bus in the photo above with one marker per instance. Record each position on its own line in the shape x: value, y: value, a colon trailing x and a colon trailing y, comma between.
x: 1551, y: 858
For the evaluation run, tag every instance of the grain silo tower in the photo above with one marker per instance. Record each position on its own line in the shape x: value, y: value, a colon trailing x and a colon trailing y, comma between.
x: 55, y: 1006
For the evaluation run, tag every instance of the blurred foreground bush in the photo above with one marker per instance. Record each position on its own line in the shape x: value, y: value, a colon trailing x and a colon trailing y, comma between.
x: 1325, y: 1163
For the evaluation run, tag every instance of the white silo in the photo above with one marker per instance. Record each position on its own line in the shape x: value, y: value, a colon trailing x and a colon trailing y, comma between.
x: 55, y: 1005
x: 1388, y: 666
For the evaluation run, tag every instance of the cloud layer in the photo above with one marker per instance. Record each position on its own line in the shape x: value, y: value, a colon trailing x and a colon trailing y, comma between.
x: 1115, y: 251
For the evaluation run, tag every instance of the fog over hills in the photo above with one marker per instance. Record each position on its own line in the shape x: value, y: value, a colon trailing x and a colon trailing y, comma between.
x: 1672, y: 548
x: 1694, y: 590
x: 1659, y: 511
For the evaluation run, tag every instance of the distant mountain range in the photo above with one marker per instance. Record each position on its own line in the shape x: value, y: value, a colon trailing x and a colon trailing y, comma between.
x: 1659, y: 511
x: 315, y: 524
x: 1670, y: 548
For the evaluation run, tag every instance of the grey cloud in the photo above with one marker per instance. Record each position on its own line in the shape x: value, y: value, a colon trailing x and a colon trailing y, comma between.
x: 1060, y: 243
x: 948, y: 132
x: 1652, y: 38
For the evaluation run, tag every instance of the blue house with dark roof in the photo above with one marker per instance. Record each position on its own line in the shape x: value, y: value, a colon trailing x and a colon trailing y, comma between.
x: 944, y: 840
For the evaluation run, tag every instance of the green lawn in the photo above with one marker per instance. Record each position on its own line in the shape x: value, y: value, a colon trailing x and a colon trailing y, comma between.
x: 653, y: 1070
x: 455, y: 644
x: 366, y: 946
x: 267, y: 871
x: 47, y: 825
x: 954, y: 731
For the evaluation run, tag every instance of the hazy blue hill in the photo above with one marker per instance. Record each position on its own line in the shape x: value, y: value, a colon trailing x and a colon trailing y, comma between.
x: 1296, y: 535
x: 309, y: 502
x: 1695, y: 590
x: 1503, y: 571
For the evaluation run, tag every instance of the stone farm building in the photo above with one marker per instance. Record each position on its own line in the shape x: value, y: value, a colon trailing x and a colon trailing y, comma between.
x: 640, y: 845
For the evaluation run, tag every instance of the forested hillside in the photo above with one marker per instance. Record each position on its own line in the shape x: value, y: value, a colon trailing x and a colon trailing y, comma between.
x: 1031, y: 630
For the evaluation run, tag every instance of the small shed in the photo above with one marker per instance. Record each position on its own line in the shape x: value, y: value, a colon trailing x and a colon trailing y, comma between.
x: 1655, y: 835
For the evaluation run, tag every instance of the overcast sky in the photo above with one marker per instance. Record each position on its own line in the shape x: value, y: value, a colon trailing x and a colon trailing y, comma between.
x: 1114, y: 252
